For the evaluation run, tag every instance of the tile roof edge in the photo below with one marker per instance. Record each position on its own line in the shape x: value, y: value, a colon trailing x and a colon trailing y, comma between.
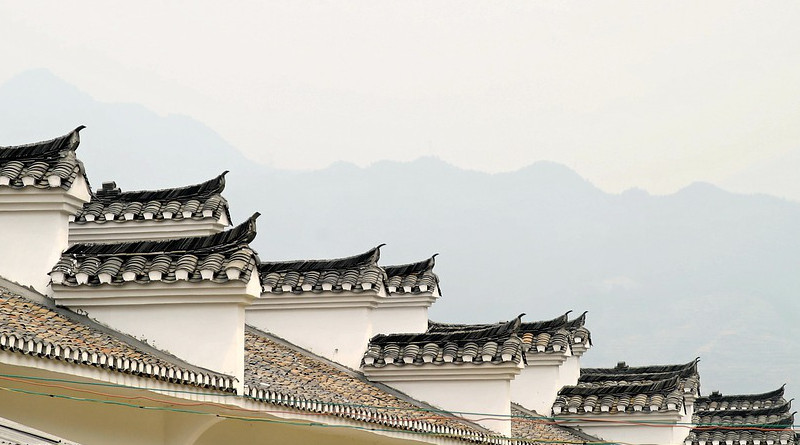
x: 368, y: 258
x: 33, y: 295
x: 76, y: 132
x: 244, y: 233
x: 360, y: 376
x: 410, y: 268
x: 572, y: 430
x: 217, y: 187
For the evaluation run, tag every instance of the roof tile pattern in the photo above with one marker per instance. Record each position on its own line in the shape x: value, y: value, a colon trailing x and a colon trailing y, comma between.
x: 625, y: 389
x: 282, y: 374
x: 47, y: 164
x: 197, y: 201
x: 494, y: 343
x: 30, y: 328
x: 743, y: 419
x: 526, y: 424
x: 351, y: 274
x: 414, y: 278
x: 218, y: 258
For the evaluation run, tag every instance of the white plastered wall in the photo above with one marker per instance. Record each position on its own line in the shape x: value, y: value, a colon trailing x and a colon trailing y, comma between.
x: 121, y: 231
x: 34, y: 230
x: 538, y: 383
x: 339, y: 334
x: 399, y: 319
x: 202, y: 323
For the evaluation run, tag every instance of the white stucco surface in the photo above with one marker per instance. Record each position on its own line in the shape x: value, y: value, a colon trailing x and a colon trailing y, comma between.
x: 34, y: 230
x: 339, y: 334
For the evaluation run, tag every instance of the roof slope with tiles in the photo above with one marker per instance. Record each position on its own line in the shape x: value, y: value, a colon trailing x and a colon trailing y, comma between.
x: 443, y: 343
x: 743, y: 419
x: 530, y: 425
x: 414, y: 278
x: 357, y: 273
x: 282, y: 373
x: 46, y: 164
x: 197, y: 201
x: 624, y: 389
x: 222, y: 257
x: 39, y: 329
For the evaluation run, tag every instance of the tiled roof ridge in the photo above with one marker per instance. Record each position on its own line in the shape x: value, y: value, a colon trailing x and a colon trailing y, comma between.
x: 657, y: 386
x: 225, y: 241
x: 182, y: 372
x: 546, y: 325
x: 366, y: 259
x: 578, y: 321
x: 202, y: 190
x: 487, y: 332
x: 48, y: 149
x: 775, y: 409
x: 411, y: 268
x: 763, y: 396
x: 622, y: 369
x: 682, y: 373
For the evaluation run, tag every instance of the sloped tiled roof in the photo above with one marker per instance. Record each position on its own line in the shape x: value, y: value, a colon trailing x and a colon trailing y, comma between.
x: 279, y: 372
x: 530, y: 425
x: 38, y: 328
x: 442, y: 343
x: 197, y: 201
x: 743, y: 419
x: 412, y: 278
x: 625, y: 389
x: 47, y: 164
x: 219, y: 258
x: 353, y: 274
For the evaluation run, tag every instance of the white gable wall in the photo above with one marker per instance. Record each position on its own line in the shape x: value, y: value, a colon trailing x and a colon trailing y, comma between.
x: 34, y: 230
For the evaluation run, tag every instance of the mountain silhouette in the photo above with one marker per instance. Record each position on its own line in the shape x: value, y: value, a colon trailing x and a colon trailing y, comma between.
x: 701, y: 272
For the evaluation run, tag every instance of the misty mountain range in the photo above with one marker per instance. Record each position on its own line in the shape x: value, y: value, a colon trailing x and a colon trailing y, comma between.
x: 701, y: 272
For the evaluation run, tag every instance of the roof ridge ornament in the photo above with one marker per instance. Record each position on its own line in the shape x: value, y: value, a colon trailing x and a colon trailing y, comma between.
x: 234, y: 238
x: 48, y: 149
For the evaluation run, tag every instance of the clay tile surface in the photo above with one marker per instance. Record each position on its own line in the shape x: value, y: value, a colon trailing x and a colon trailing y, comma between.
x: 626, y: 389
x: 356, y: 273
x: 200, y: 201
x: 458, y: 343
x: 743, y: 418
x: 281, y: 373
x: 40, y: 329
x: 199, y: 258
x: 46, y: 164
x: 414, y: 278
x: 527, y: 424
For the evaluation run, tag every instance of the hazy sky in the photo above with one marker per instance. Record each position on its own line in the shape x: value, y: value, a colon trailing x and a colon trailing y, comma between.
x: 629, y: 94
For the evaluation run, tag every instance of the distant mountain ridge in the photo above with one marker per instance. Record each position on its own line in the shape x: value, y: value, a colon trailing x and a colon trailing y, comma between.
x: 701, y: 272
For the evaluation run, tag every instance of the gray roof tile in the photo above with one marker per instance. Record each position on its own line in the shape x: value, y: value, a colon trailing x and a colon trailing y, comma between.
x: 47, y: 164
x: 354, y: 274
x: 743, y: 419
x: 644, y: 389
x: 219, y: 258
x: 485, y: 343
x: 191, y: 202
x: 414, y: 278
